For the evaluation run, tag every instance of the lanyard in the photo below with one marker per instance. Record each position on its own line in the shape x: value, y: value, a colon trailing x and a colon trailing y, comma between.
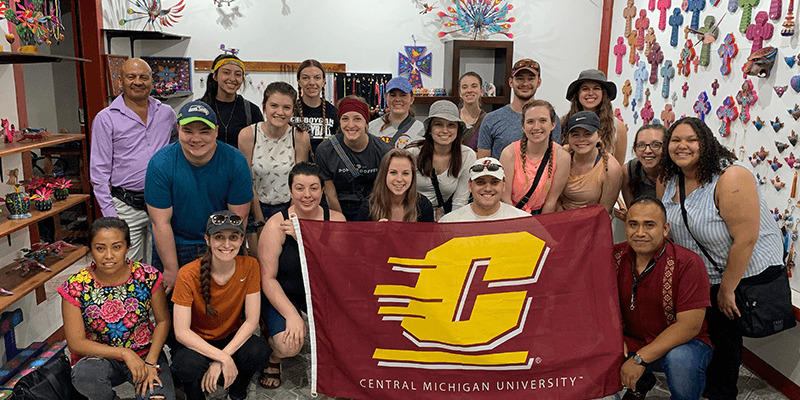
x: 644, y: 273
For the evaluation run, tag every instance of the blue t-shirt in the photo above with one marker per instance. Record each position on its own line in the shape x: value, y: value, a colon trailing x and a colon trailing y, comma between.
x: 502, y: 127
x: 194, y: 193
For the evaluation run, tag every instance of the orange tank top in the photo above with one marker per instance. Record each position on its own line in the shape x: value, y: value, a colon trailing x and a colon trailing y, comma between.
x: 523, y: 179
x: 584, y: 190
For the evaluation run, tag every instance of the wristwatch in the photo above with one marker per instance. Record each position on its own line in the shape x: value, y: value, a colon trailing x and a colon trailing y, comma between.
x: 637, y: 359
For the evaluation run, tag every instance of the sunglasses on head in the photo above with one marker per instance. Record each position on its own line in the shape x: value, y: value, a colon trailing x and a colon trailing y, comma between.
x: 219, y: 219
x: 490, y: 167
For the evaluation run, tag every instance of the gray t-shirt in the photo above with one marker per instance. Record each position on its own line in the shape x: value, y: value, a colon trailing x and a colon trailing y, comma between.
x: 465, y: 214
x: 414, y: 133
x: 502, y: 127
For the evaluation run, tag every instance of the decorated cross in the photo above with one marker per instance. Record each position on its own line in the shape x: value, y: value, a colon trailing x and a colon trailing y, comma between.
x: 685, y: 88
x: 714, y: 87
x: 647, y: 113
x: 642, y: 23
x: 626, y: 92
x: 619, y: 50
x: 667, y: 72
x: 733, y: 5
x: 709, y: 34
x: 702, y: 107
x: 759, y: 31
x: 629, y: 13
x: 694, y: 7
x: 655, y: 58
x: 775, y: 8
x: 675, y: 20
x: 747, y: 12
x: 727, y: 112
x: 651, y: 5
x: 632, y: 43
x: 746, y: 98
x: 649, y: 41
x: 727, y: 50
x: 667, y: 115
x: 640, y: 76
x: 663, y: 6
x: 687, y: 56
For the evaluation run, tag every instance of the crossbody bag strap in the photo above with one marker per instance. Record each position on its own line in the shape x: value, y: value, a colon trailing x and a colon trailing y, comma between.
x: 345, y: 159
x: 401, y: 129
x: 439, y: 197
x: 248, y: 113
x: 524, y: 200
x: 682, y: 184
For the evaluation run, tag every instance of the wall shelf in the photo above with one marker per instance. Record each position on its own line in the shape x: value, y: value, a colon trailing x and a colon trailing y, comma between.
x: 8, y: 226
x: 28, y: 145
x: 37, y: 281
x: 501, y: 54
x: 432, y: 99
x: 133, y: 36
x: 7, y: 57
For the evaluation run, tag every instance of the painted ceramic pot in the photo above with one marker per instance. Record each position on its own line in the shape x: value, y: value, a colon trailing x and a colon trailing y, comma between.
x: 43, y: 205
x: 18, y: 205
x: 60, y: 194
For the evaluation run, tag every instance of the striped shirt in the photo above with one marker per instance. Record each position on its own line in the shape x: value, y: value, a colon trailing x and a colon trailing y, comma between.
x: 712, y: 231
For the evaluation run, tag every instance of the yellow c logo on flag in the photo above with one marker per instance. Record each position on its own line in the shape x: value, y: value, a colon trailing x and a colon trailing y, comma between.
x: 469, y: 297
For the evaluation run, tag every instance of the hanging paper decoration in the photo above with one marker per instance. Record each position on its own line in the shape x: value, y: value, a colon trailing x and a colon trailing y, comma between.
x: 702, y: 106
x: 415, y: 61
x: 727, y: 112
x: 746, y: 98
x: 157, y: 17
x: 727, y: 50
x: 478, y: 18
x: 37, y: 21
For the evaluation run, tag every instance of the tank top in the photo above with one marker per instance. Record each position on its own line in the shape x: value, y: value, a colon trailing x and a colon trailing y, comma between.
x: 290, y: 274
x: 273, y: 159
x: 523, y: 179
x: 712, y: 231
x: 584, y: 190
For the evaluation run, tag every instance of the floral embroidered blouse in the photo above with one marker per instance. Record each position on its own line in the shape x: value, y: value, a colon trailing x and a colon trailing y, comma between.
x: 117, y: 315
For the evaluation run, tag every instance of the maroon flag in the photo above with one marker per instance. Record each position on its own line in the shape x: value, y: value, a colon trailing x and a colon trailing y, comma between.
x: 523, y: 308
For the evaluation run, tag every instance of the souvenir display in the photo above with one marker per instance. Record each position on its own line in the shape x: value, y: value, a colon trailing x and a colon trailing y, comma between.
x: 171, y: 75
x: 36, y: 21
x: 708, y: 35
x: 792, y: 138
x: 43, y: 199
x: 685, y: 88
x: 790, y: 61
x: 675, y: 21
x: 727, y: 50
x: 478, y: 19
x: 154, y: 15
x: 687, y: 57
x: 647, y: 112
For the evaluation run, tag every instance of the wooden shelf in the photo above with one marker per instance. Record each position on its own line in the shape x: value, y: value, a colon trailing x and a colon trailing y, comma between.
x: 36, y: 281
x: 138, y: 35
x: 28, y: 145
x: 8, y: 226
x: 177, y: 95
x: 432, y: 99
x: 7, y: 57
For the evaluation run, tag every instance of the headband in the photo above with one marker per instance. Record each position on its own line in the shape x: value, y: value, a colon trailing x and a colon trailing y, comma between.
x: 229, y: 60
x: 358, y: 106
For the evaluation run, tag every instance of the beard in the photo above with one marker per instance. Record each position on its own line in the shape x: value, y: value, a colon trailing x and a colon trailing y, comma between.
x: 524, y: 99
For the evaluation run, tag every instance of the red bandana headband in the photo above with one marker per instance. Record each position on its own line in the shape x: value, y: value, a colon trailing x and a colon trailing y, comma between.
x: 358, y: 106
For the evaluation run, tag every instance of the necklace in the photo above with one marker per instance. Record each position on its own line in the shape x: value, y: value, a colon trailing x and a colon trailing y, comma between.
x: 225, y: 125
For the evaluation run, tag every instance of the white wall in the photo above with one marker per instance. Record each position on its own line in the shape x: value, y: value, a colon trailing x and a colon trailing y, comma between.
x: 368, y: 35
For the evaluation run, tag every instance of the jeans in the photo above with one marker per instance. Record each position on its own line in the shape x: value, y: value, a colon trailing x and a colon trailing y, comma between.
x: 189, y: 366
x: 186, y: 254
x: 685, y: 368
x: 95, y: 378
x: 141, y: 236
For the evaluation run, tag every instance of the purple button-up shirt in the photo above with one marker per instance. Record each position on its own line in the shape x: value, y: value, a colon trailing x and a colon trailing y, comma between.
x: 122, y: 146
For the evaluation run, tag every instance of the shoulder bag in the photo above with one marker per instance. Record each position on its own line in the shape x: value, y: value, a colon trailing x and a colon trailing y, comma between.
x: 542, y: 166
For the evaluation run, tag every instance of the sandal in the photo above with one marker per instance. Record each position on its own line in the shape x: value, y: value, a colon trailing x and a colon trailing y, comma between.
x: 270, y: 375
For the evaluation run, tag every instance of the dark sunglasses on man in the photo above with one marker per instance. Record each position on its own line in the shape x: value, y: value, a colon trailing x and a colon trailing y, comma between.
x: 219, y: 219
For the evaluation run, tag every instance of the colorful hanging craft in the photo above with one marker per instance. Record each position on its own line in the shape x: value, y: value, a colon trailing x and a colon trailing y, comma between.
x: 708, y: 34
x: 795, y: 83
x: 777, y: 125
x: 685, y: 88
x: 37, y: 21
x: 640, y: 76
x: 619, y: 51
x: 793, y: 138
x: 694, y: 7
x: 781, y: 146
x: 747, y: 12
x: 780, y: 90
x: 727, y: 50
x: 795, y: 112
x: 775, y: 8
x: 714, y: 87
x: 633, y: 58
x: 649, y: 41
x: 788, y: 23
x: 791, y: 161
x: 647, y: 113
x: 655, y: 58
x: 702, y: 106
x: 675, y: 20
x: 727, y: 112
x: 155, y: 15
x: 478, y: 18
x: 629, y: 13
x: 663, y: 6
x: 746, y: 98
x: 667, y: 115
x: 415, y: 62
x: 626, y: 92
x: 642, y: 23
x: 667, y: 72
x: 777, y: 182
x: 790, y: 61
x: 758, y: 123
x: 759, y: 31
x: 687, y: 57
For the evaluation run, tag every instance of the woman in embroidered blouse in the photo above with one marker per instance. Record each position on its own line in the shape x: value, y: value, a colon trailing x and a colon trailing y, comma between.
x: 272, y: 148
x: 522, y: 159
x: 106, y: 309
x: 730, y: 219
x: 441, y: 155
x: 639, y: 175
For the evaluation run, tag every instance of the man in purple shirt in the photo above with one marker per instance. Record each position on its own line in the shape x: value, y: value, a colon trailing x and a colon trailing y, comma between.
x: 125, y: 135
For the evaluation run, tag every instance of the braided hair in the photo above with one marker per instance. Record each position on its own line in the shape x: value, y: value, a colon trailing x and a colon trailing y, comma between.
x: 205, y: 282
x: 303, y: 65
x: 523, y: 142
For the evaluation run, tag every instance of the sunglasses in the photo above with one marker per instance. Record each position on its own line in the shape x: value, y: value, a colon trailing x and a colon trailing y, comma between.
x: 526, y: 63
x: 219, y: 219
x: 490, y: 167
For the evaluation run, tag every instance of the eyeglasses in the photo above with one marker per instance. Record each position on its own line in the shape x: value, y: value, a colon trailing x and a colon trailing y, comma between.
x: 654, y: 145
x: 219, y: 219
x: 490, y: 167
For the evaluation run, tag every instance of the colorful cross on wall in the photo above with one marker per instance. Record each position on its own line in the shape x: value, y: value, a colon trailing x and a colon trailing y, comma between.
x: 415, y: 61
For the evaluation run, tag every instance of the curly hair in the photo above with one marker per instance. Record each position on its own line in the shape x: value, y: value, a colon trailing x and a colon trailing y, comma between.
x: 426, y: 150
x: 303, y: 65
x: 605, y: 113
x: 380, y: 201
x: 635, y: 178
x: 714, y: 157
x: 523, y: 142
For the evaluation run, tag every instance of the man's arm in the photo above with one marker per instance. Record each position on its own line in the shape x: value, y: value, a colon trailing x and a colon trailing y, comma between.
x: 102, y: 160
x: 165, y: 244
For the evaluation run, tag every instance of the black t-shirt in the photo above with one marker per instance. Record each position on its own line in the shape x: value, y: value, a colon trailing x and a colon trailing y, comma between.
x: 424, y: 210
x: 351, y: 192
x: 313, y: 120
x: 232, y: 118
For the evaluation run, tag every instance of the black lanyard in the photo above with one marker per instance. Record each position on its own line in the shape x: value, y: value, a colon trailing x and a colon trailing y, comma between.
x: 644, y: 273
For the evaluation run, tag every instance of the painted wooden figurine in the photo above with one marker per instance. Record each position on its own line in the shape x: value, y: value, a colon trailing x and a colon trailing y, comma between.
x: 746, y: 98
x: 759, y: 31
x: 675, y: 21
x: 727, y: 50
x: 667, y: 72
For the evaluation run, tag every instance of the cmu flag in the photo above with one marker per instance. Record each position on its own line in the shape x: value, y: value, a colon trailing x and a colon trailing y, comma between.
x: 524, y: 308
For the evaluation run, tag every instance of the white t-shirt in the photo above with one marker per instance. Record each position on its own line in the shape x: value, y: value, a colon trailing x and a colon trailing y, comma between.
x: 465, y: 214
x: 456, y: 187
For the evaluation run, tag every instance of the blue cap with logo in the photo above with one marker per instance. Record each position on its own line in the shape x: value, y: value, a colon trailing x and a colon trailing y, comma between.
x: 197, y: 111
x: 400, y: 83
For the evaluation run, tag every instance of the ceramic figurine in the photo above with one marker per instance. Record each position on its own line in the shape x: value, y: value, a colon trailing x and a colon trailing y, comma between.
x: 777, y: 124
x: 780, y: 90
x: 758, y: 123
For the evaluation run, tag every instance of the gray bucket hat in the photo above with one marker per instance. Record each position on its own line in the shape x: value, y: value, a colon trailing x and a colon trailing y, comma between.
x: 592, y: 75
x: 445, y: 109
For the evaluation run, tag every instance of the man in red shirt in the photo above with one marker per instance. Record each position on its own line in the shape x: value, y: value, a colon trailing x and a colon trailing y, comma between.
x: 663, y: 294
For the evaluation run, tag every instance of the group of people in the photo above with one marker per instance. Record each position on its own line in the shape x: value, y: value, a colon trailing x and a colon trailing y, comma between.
x: 229, y: 184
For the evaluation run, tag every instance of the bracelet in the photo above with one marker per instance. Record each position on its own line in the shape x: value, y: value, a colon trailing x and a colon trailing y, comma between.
x: 156, y: 366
